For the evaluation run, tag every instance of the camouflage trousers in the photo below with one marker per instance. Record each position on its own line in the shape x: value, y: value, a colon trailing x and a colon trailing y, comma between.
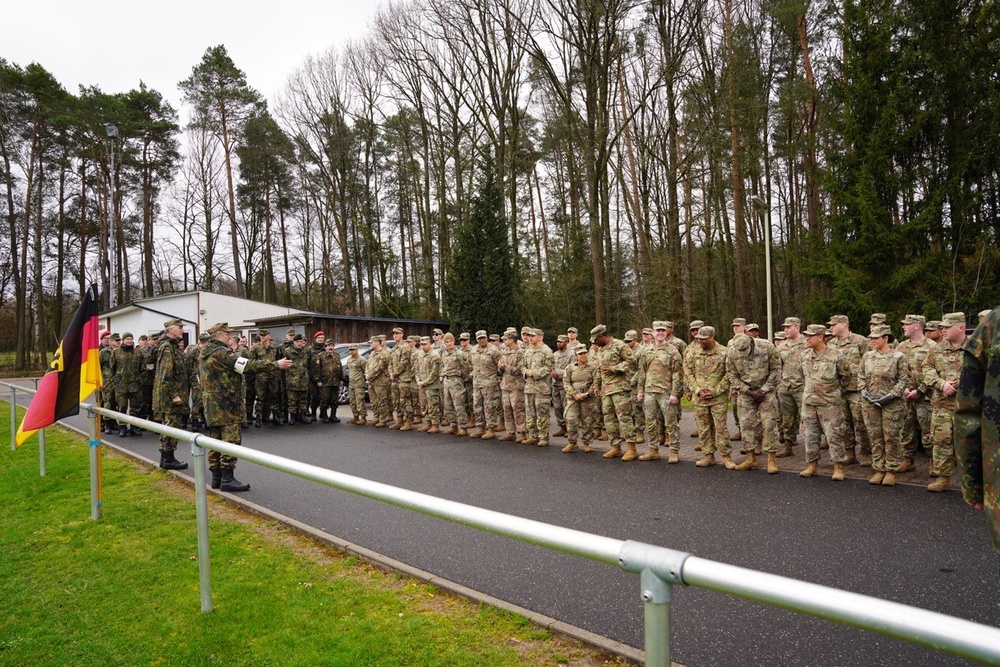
x: 828, y: 420
x: 943, y: 457
x: 432, y: 395
x: 379, y: 394
x: 421, y: 406
x: 197, y: 408
x: 174, y: 419
x: 357, y: 400
x: 559, y: 402
x: 108, y: 399
x: 249, y: 396
x: 402, y: 398
x: 617, y: 411
x: 470, y: 399
x: 884, y: 426
x: 661, y: 421
x: 513, y: 410
x: 266, y: 388
x: 128, y: 402
x: 790, y: 407
x: 734, y: 400
x: 146, y: 401
x: 857, y: 433
x: 226, y: 433
x: 581, y: 417
x: 536, y: 415
x: 298, y: 401
x: 638, y: 415
x: 760, y: 422
x: 918, y: 412
x: 454, y: 401
x: 486, y: 400
x: 713, y: 431
x: 329, y: 397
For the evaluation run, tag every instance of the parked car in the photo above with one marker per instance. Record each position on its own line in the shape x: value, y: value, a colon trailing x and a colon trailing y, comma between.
x: 344, y: 351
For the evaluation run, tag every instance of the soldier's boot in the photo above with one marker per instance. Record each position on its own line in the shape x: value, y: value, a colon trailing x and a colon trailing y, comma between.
x: 811, y: 469
x: 939, y: 485
x: 889, y: 479
x: 838, y: 472
x: 727, y: 460
x: 135, y: 431
x: 470, y: 422
x: 306, y: 417
x: 507, y: 437
x: 380, y: 424
x: 122, y: 430
x: 772, y: 463
x: 865, y: 459
x: 694, y: 434
x: 599, y: 434
x: 650, y: 455
x: 877, y: 477
x: 168, y: 462
x: 417, y: 419
x: 477, y: 434
x: 851, y: 459
x: 291, y: 419
x: 585, y: 448
x: 334, y: 419
x: 452, y: 430
x: 256, y: 420
x: 543, y: 442
x: 785, y: 451
x: 614, y: 452
x: 324, y: 416
x: 434, y: 429
x: 397, y: 424
x: 488, y: 434
x: 462, y: 432
x: 571, y: 447
x: 424, y: 428
x: 230, y: 484
x: 705, y: 461
x: 560, y: 433
x: 905, y: 466
x: 407, y: 424
x: 749, y: 463
x: 216, y: 477
x: 520, y: 437
x: 674, y: 457
x: 736, y: 436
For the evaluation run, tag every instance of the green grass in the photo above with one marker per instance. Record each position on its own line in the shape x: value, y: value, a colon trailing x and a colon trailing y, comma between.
x: 124, y: 590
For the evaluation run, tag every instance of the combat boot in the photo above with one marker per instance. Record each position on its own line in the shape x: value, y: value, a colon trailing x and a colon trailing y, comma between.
x: 324, y: 416
x: 543, y: 442
x: 749, y: 463
x: 650, y: 455
x: 334, y: 419
x: 938, y: 485
x: 560, y: 433
x: 674, y: 457
x: 585, y: 448
x: 521, y: 437
x: 216, y: 477
x: 424, y: 428
x: 705, y: 461
x: 838, y: 472
x: 452, y: 430
x: 785, y: 452
x: 905, y: 466
x: 571, y: 447
x: 613, y: 453
x: 508, y: 437
x: 697, y: 448
x: 865, y: 459
x: 728, y: 461
x: 599, y: 434
x: 470, y: 422
x: 434, y: 429
x: 489, y: 435
x: 528, y: 440
x: 256, y: 420
x: 877, y: 477
x: 462, y: 432
x: 851, y: 459
x: 407, y: 425
x: 811, y: 469
x: 135, y: 431
x: 380, y: 424
x: 397, y: 424
x: 417, y: 419
x: 230, y: 484
x: 477, y: 434
x: 306, y: 417
x: 694, y: 434
x: 122, y: 430
x: 168, y: 462
x: 772, y: 463
x: 630, y: 453
x: 889, y: 479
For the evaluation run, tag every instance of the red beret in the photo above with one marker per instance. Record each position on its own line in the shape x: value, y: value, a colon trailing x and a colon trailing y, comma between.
x: 318, y: 334
x: 105, y: 333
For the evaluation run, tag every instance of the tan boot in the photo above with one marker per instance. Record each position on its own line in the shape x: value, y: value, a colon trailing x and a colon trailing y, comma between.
x: 508, y: 437
x: 877, y: 477
x: 613, y: 453
x: 786, y: 451
x: 889, y: 479
x: 417, y: 420
x: 651, y: 455
x: 599, y: 435
x: 749, y: 463
x: 630, y: 453
x: 452, y: 430
x: 905, y: 466
x: 407, y: 425
x: 477, y: 434
x: 838, y: 472
x: 379, y: 424
x: 694, y: 434
x: 543, y: 442
x: 489, y: 435
x: 939, y: 485
x: 772, y: 463
x: 674, y: 457
x: 434, y: 429
x: 462, y: 433
x: 851, y: 458
x: 397, y: 424
x: 560, y: 433
x: 705, y: 461
x: 810, y: 469
x: 585, y: 448
x: 423, y: 428
x: 528, y: 440
x: 728, y: 461
x: 697, y: 448
x: 571, y: 447
x: 521, y: 437
x: 865, y: 460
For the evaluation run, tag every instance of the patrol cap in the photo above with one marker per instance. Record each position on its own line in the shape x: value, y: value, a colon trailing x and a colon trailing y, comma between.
x: 668, y: 324
x: 646, y: 331
x: 494, y: 337
x: 791, y: 322
x: 204, y: 336
x: 172, y: 323
x: 877, y: 318
x: 290, y: 332
x: 437, y: 332
x: 660, y: 324
x: 425, y: 340
x: 753, y: 326
x: 159, y: 334
x: 739, y: 322
x: 263, y: 332
x: 913, y: 319
x: 538, y: 332
x: 380, y: 338
x: 631, y: 335
x: 740, y: 343
x: 525, y: 330
x: 510, y: 335
x: 838, y: 319
x: 573, y: 330
x: 951, y: 319
x: 318, y: 334
x: 115, y: 336
x: 562, y: 338
x: 705, y: 332
x: 599, y: 330
x: 298, y: 337
x: 815, y: 330
x: 510, y: 330
x: 415, y: 338
x: 218, y: 327
x: 780, y: 336
x: 480, y: 334
x: 880, y: 331
x: 581, y: 349
x: 397, y: 330
x: 127, y: 334
x: 697, y: 324
x: 932, y: 325
x: 330, y: 343
x: 464, y: 336
x: 352, y: 346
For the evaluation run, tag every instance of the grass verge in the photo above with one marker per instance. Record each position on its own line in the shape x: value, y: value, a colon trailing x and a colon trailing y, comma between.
x: 124, y: 590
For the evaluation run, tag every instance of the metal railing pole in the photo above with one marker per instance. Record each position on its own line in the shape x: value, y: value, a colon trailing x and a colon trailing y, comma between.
x: 13, y: 418
x: 41, y: 453
x: 657, y: 595
x: 201, y: 511
x: 95, y: 445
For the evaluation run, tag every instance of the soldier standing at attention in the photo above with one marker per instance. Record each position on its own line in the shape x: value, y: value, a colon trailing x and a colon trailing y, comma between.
x: 192, y: 355
x: 790, y: 387
x: 512, y: 388
x: 882, y: 378
x: 561, y: 358
x: 916, y: 347
x: 660, y: 382
x: 126, y: 363
x: 357, y: 386
x: 754, y: 370
x: 826, y: 375
x: 222, y: 380
x: 538, y: 364
x: 582, y: 406
x: 329, y: 374
x: 267, y: 382
x: 377, y: 375
x: 692, y: 332
x: 454, y: 369
x: 465, y: 349
x: 298, y: 378
x: 485, y: 361
x: 428, y: 378
x: 705, y: 375
x: 738, y: 326
x: 147, y: 373
x: 315, y: 350
x: 638, y: 415
x: 171, y: 390
x: 942, y: 371
x: 109, y: 384
x: 401, y: 377
x: 613, y: 387
x: 853, y: 346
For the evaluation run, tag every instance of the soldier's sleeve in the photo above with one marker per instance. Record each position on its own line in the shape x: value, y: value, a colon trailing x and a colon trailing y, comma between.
x: 844, y: 372
x: 931, y: 376
x: 969, y: 410
x: 732, y: 374
x: 773, y: 371
x: 922, y: 385
x: 627, y: 365
x: 677, y: 375
x: 565, y: 381
x: 642, y: 365
x: 903, y: 375
x: 862, y: 380
x: 338, y: 370
x: 688, y: 373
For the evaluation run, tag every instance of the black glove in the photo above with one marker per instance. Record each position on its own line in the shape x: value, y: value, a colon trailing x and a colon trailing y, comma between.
x: 868, y: 397
x: 756, y: 394
x: 885, y: 400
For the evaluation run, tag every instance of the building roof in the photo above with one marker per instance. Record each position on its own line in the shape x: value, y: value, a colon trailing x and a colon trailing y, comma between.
x: 308, y: 315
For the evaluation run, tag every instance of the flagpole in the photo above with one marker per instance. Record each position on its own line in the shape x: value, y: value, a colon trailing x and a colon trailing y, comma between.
x: 96, y: 504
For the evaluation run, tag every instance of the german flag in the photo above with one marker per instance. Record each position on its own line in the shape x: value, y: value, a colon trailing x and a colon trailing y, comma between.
x: 74, y: 374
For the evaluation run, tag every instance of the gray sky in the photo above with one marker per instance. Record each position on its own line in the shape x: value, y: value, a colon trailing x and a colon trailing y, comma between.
x: 114, y: 44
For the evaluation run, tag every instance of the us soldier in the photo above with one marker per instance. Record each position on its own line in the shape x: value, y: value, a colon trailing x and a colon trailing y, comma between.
x: 429, y: 380
x: 538, y: 364
x: 465, y: 350
x: 638, y: 416
x: 171, y: 390
x: 561, y: 358
x: 753, y: 330
x: 882, y: 378
x: 357, y: 386
x: 659, y: 378
x: 738, y: 326
x: 329, y: 375
x: 853, y: 346
x: 934, y: 330
x: 790, y: 387
x: 705, y: 375
x: 438, y: 337
x: 267, y: 382
x: 126, y: 364
x: 298, y: 377
x: 573, y: 334
x: 612, y: 386
x: 222, y: 379
x: 582, y: 407
x: 754, y: 371
x: 108, y: 386
x: 826, y: 375
x: 512, y: 388
x: 377, y: 375
x: 877, y: 321
x: 454, y: 368
x: 485, y: 361
x: 401, y: 376
x: 916, y: 347
x: 689, y: 349
x: 942, y: 371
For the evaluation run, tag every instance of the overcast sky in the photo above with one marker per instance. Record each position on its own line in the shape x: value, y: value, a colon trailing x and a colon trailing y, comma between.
x: 114, y: 44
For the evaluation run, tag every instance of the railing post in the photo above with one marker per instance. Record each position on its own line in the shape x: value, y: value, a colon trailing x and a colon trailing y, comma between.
x: 201, y: 512
x: 41, y: 453
x: 13, y: 417
x: 95, y: 468
x: 657, y: 595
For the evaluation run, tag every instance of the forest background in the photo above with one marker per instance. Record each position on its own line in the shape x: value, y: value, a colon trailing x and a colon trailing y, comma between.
x: 549, y: 162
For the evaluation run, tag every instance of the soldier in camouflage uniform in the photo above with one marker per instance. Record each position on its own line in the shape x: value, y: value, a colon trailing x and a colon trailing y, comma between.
x: 298, y: 378
x: 613, y: 386
x: 631, y: 339
x: 357, y: 385
x: 267, y: 382
x: 882, y: 378
x: 916, y: 347
x: 753, y: 368
x: 853, y: 346
x: 221, y: 371
x: 942, y: 370
x: 377, y: 375
x: 454, y: 369
x: 934, y: 330
x: 790, y: 387
x: 316, y: 349
x: 401, y: 377
x: 689, y: 349
x: 465, y: 349
x: 660, y: 382
x: 705, y: 376
x: 126, y: 363
x: 428, y: 378
x: 485, y: 361
x: 328, y: 374
x: 108, y: 385
x: 512, y: 388
x: 147, y: 373
x: 738, y: 326
x: 826, y: 375
x: 582, y: 404
x: 171, y: 390
x: 561, y: 358
x: 283, y: 348
x: 538, y: 365
x: 192, y: 355
x: 977, y: 422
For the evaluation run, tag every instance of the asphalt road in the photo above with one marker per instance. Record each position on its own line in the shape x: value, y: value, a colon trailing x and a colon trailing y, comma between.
x: 902, y: 543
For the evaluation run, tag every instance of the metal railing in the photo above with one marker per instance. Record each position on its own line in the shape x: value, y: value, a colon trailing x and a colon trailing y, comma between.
x: 659, y: 568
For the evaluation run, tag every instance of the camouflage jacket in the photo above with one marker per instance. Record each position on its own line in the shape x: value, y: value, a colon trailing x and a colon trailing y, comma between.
x: 222, y: 382
x: 261, y: 352
x: 191, y: 356
x: 791, y: 352
x: 977, y: 421
x: 560, y: 360
x: 944, y: 363
x: 706, y: 369
x: 916, y: 354
x: 356, y: 370
x: 485, y: 365
x: 679, y: 344
x: 538, y: 364
x: 147, y: 366
x: 757, y: 368
x: 827, y: 375
x: 853, y: 346
x: 429, y: 369
x: 880, y: 374
x: 299, y: 376
x: 126, y: 364
x: 616, y: 366
x: 401, y: 362
x: 660, y: 371
x: 454, y: 363
x: 377, y: 370
x: 107, y: 368
x: 512, y: 367
x: 172, y: 379
x: 580, y: 379
x: 328, y: 369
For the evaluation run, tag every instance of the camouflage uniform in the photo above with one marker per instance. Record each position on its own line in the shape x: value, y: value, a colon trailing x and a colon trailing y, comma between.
x: 660, y: 375
x: 298, y: 378
x: 147, y: 374
x: 316, y: 393
x: 191, y: 358
x: 377, y: 374
x: 560, y: 360
x: 428, y: 377
x: 854, y: 346
x: 454, y: 369
x: 977, y: 421
x: 790, y: 387
x: 918, y: 410
x: 538, y: 364
x: 826, y: 375
x: 328, y: 374
x: 357, y: 386
x: 613, y: 385
x: 706, y: 369
x: 753, y: 364
x: 470, y: 393
x: 401, y: 375
x: 172, y: 380
x: 267, y: 382
x: 512, y: 389
x: 884, y: 374
x: 581, y: 415
x: 485, y: 385
x: 682, y: 349
x: 126, y: 363
x: 108, y: 383
x: 943, y: 364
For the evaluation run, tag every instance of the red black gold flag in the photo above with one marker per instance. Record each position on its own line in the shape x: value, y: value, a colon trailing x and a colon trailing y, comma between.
x: 74, y: 374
